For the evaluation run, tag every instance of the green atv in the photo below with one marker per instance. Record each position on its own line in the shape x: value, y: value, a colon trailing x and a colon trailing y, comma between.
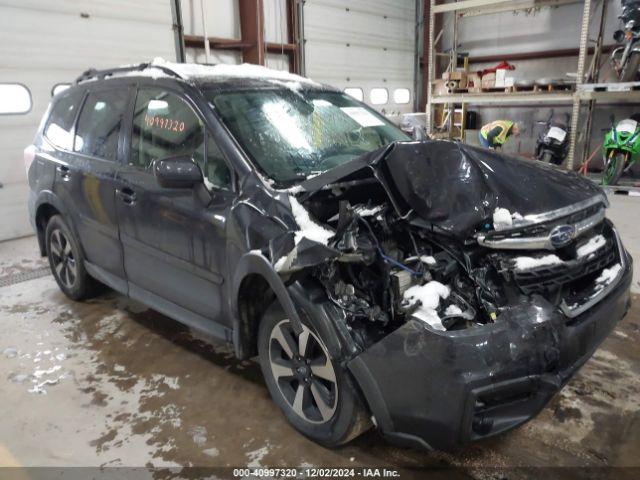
x: 621, y: 149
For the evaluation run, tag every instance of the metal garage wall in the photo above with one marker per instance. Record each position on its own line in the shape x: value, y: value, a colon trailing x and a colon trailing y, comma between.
x: 362, y: 43
x: 546, y: 28
x: 45, y: 43
x: 223, y: 21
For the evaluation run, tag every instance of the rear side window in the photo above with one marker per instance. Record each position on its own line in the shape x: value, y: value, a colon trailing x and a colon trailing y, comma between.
x: 100, y: 123
x: 60, y: 122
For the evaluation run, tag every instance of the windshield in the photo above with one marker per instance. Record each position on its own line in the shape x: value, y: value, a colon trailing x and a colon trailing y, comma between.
x: 291, y: 135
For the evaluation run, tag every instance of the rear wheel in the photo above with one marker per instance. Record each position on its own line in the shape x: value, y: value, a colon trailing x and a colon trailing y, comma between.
x: 630, y: 70
x: 613, y: 168
x: 67, y: 261
x: 312, y: 389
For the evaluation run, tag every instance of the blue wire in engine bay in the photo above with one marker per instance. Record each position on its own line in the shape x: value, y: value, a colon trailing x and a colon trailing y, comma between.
x: 392, y: 261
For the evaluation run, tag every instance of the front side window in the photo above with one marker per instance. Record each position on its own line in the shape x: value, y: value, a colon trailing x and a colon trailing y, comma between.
x: 290, y: 134
x: 215, y: 168
x: 164, y: 126
x: 60, y: 123
x: 100, y: 122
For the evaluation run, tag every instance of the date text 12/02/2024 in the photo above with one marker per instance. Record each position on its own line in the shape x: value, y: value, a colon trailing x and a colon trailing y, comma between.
x: 311, y: 472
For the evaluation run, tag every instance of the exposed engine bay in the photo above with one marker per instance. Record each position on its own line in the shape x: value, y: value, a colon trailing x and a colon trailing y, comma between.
x: 386, y: 259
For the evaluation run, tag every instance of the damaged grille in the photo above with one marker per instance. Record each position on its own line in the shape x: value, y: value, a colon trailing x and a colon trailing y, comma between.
x: 537, y: 232
x: 545, y: 229
x: 552, y: 277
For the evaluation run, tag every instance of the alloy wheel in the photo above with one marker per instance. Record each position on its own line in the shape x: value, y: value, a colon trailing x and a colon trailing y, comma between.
x: 63, y: 259
x: 303, y: 372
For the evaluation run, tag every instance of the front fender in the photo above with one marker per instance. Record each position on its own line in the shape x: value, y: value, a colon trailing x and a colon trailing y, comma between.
x: 256, y: 263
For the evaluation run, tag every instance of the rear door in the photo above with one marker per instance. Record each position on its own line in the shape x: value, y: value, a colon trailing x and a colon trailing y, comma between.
x: 98, y: 150
x: 174, y: 243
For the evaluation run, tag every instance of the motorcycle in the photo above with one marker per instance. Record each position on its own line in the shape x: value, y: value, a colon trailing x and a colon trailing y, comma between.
x: 553, y: 142
x: 626, y: 58
x: 621, y: 149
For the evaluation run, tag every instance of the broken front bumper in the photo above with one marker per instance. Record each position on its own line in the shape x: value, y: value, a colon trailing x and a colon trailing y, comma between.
x: 442, y: 389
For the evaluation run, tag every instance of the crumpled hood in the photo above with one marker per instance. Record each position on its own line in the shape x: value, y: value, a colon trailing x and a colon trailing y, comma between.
x: 458, y: 187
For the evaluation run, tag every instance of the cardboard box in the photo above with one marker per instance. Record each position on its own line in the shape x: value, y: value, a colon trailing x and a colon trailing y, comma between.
x: 440, y: 87
x: 458, y: 79
x: 489, y: 80
x: 474, y: 84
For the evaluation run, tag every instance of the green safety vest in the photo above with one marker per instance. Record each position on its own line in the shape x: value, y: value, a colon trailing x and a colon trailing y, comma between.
x: 500, y: 139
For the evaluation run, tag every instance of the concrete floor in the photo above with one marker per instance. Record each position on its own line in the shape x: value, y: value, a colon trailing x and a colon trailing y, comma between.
x: 109, y: 382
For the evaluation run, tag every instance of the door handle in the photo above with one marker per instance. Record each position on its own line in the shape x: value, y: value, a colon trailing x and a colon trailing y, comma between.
x: 63, y: 170
x: 127, y: 195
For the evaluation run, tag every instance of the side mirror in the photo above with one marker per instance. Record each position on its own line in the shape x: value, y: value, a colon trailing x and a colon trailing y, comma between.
x: 177, y: 172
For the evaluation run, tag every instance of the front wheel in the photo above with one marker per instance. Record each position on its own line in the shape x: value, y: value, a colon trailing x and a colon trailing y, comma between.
x: 614, y: 167
x: 312, y: 389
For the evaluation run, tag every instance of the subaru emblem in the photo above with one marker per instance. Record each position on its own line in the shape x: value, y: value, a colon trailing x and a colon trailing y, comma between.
x: 562, y: 235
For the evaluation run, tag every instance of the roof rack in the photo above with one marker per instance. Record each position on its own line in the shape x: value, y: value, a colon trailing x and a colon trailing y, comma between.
x: 101, y: 74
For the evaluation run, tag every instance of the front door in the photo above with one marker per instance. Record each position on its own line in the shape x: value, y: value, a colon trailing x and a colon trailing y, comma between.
x: 174, y: 242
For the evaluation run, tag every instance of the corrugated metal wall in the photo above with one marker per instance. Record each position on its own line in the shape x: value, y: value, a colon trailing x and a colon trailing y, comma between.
x: 363, y: 44
x: 354, y: 43
x: 546, y: 28
x: 223, y: 21
x: 47, y: 42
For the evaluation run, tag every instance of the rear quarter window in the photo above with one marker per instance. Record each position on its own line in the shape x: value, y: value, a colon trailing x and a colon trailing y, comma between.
x: 59, y: 126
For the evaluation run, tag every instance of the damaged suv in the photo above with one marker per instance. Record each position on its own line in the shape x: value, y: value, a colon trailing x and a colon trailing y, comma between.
x: 440, y: 292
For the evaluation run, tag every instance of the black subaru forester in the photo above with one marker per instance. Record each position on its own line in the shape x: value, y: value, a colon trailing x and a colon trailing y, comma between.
x: 439, y: 291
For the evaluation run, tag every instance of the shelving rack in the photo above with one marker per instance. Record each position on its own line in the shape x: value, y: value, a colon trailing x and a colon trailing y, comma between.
x: 576, y: 99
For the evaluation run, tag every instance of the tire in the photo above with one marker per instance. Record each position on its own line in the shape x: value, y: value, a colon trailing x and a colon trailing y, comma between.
x: 630, y: 70
x: 342, y: 417
x: 613, y: 169
x: 66, y: 261
x: 547, y: 157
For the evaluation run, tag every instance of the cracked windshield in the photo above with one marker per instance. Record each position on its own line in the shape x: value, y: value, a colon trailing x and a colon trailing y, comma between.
x: 293, y: 135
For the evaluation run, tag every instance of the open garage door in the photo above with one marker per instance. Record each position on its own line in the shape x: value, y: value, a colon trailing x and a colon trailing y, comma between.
x: 366, y: 46
x: 43, y: 44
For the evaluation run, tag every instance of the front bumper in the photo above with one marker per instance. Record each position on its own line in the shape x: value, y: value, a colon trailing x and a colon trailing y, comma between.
x: 439, y: 390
